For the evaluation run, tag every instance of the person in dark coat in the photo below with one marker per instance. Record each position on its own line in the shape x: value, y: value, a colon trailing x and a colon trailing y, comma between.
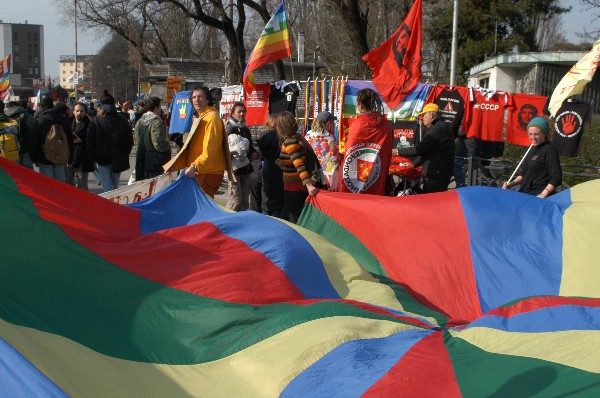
x: 108, y: 144
x: 49, y: 116
x: 82, y: 164
x: 540, y: 172
x: 436, y: 151
x: 272, y: 175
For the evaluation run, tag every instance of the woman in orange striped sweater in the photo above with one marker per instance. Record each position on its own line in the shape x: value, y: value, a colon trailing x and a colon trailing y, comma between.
x: 297, y: 181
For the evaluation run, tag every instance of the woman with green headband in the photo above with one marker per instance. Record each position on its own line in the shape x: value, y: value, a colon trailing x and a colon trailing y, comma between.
x: 540, y: 172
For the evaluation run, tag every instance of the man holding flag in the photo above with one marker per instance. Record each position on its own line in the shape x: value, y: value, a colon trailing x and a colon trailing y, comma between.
x: 396, y: 64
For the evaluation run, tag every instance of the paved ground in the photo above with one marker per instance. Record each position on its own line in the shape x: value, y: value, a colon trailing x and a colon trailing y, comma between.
x: 94, y: 187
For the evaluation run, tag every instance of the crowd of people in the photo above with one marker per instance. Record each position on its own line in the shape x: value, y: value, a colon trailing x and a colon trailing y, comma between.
x: 273, y: 174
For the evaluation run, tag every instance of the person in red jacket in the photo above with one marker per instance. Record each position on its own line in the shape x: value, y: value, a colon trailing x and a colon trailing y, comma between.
x: 368, y: 148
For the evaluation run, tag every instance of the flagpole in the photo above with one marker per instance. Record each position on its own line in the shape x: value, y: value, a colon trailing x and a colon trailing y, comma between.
x: 292, y: 66
x: 519, y: 165
x: 454, y: 45
x: 76, y: 81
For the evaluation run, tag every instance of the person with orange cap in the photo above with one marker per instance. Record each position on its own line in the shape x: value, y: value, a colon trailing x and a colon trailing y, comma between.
x: 435, y: 152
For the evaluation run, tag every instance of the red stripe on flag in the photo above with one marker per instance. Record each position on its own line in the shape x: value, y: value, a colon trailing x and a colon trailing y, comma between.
x: 409, y: 254
x: 279, y: 52
x: 198, y: 258
x: 536, y: 303
x: 423, y: 371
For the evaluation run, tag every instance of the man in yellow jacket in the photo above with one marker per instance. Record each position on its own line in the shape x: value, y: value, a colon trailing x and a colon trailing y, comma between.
x: 203, y: 154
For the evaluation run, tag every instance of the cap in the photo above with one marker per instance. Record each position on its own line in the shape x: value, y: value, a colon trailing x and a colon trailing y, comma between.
x: 540, y: 123
x: 325, y: 116
x: 429, y: 108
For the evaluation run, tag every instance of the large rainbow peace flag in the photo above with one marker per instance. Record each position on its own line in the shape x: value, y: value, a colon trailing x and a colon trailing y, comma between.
x: 475, y: 292
x: 272, y: 45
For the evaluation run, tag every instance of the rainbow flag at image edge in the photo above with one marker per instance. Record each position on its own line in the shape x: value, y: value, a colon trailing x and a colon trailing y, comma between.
x: 174, y: 296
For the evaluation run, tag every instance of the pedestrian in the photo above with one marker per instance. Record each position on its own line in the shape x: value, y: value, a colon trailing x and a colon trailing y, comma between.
x: 150, y: 137
x: 322, y: 140
x: 368, y: 148
x: 298, y: 181
x: 436, y: 151
x: 540, y: 172
x: 243, y: 154
x: 109, y: 142
x: 82, y: 165
x: 205, y: 155
x: 51, y: 145
x: 272, y: 175
x: 27, y: 128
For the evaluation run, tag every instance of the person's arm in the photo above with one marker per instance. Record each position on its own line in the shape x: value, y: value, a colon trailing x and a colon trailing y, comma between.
x: 294, y: 150
x: 516, y: 181
x: 90, y: 140
x: 547, y: 191
x: 158, y: 134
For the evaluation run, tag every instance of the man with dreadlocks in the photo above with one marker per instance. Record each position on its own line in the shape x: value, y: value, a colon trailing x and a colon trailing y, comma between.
x: 368, y: 149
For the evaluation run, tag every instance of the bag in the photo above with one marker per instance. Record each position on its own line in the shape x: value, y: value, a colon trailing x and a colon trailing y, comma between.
x: 9, y: 140
x: 313, y: 166
x: 56, y: 146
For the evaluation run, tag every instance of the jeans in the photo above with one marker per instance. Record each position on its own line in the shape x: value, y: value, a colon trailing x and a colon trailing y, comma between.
x: 56, y: 171
x: 108, y: 179
x: 25, y: 161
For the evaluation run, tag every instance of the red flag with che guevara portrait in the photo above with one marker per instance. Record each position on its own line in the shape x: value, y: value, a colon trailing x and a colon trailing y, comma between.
x: 568, y: 126
x: 396, y: 64
x: 522, y: 108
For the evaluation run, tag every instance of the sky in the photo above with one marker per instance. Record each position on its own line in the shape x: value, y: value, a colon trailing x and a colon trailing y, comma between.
x: 59, y: 37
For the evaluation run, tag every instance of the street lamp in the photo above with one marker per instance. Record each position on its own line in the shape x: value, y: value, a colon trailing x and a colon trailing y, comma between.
x: 113, y: 79
x: 315, y: 61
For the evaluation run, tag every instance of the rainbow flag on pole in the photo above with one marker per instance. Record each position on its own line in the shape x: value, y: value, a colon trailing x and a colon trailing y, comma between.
x: 273, y: 45
x: 5, y: 74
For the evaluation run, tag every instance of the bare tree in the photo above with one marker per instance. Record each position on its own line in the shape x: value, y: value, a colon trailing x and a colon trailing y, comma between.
x: 594, y: 7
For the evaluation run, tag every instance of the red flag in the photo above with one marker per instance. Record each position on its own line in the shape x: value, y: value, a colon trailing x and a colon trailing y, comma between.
x: 396, y: 64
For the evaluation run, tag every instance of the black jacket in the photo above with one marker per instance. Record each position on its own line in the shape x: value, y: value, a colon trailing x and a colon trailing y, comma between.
x: 109, y: 141
x: 45, y: 120
x: 436, y: 150
x: 540, y: 168
x: 81, y: 158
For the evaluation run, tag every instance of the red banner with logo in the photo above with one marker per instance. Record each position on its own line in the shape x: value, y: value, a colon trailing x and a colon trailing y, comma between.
x: 523, y: 108
x: 257, y: 104
x: 396, y: 64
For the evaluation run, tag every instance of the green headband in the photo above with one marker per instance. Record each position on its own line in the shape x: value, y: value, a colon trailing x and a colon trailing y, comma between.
x: 540, y: 123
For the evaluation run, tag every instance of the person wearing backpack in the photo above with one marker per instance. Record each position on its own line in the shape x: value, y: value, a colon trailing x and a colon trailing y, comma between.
x: 108, y: 144
x: 25, y: 124
x: 51, y: 145
x: 9, y: 141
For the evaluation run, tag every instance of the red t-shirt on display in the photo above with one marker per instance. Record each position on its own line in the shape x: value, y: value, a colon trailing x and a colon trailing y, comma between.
x: 484, y: 114
x: 522, y: 108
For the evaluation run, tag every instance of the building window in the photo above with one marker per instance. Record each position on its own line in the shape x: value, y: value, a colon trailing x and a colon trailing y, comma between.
x: 36, y: 71
x: 16, y: 48
x: 35, y: 36
x: 16, y: 35
x: 30, y: 47
x: 17, y: 59
x: 30, y: 58
x: 36, y: 60
x: 64, y: 71
x: 29, y: 37
x: 31, y: 71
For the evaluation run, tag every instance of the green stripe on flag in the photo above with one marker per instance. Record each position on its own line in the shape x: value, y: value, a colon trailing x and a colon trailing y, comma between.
x: 484, y: 374
x: 316, y: 221
x: 51, y: 283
